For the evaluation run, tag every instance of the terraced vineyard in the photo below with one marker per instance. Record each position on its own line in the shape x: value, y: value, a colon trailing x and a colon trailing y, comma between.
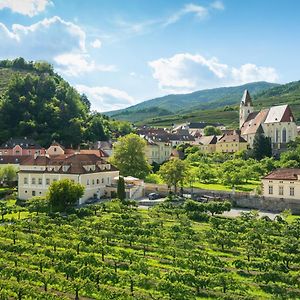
x: 118, y: 252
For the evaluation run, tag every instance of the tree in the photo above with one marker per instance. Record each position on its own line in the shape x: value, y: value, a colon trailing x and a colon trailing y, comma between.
x: 212, y: 130
x: 174, y: 172
x: 261, y: 145
x: 129, y: 156
x: 8, y: 174
x: 64, y: 194
x: 121, y: 189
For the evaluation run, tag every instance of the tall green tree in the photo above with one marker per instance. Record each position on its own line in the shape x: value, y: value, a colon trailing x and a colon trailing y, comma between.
x: 64, y: 194
x: 121, y: 189
x: 174, y: 172
x: 261, y: 145
x: 129, y: 156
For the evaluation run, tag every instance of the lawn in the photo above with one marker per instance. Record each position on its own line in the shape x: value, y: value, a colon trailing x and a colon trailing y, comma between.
x: 246, y: 187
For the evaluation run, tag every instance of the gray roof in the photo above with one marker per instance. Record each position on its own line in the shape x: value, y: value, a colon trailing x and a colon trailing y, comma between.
x: 280, y: 113
x: 246, y: 99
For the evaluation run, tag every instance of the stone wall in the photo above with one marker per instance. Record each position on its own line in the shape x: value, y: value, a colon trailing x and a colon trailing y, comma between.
x: 238, y: 199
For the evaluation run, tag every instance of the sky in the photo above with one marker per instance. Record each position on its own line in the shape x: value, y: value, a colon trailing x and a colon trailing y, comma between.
x: 122, y: 52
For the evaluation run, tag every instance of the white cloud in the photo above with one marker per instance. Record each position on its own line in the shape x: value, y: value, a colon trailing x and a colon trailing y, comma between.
x: 199, y: 11
x: 251, y: 73
x: 218, y: 5
x: 25, y: 7
x: 55, y: 40
x: 74, y: 64
x: 105, y: 98
x: 185, y: 72
x: 96, y: 43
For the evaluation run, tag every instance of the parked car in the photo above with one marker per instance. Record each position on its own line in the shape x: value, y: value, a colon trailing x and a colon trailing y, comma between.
x: 153, y: 196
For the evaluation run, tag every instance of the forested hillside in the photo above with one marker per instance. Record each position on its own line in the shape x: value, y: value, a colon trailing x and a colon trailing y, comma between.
x: 37, y: 102
x: 284, y: 94
x: 187, y: 103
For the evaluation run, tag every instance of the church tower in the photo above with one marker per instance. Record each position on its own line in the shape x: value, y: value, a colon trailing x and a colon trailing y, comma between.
x: 246, y: 107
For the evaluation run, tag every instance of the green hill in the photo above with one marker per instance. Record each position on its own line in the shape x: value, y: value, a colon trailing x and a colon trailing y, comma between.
x: 283, y: 94
x: 38, y: 103
x: 185, y: 103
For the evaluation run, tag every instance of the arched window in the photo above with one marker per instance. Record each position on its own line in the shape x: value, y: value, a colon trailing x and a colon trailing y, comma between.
x: 276, y: 135
x: 284, y: 135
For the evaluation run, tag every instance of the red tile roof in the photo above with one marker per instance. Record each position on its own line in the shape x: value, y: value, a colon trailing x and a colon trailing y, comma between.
x: 229, y: 138
x: 283, y: 174
x: 76, y: 163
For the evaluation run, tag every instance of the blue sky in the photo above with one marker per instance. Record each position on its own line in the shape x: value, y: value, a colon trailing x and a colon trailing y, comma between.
x: 121, y: 52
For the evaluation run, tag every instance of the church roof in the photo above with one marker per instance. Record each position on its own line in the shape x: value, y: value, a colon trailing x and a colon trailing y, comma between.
x: 280, y: 113
x: 246, y: 99
x: 254, y: 120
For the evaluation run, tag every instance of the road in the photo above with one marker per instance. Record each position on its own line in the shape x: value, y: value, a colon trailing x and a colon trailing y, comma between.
x: 236, y: 212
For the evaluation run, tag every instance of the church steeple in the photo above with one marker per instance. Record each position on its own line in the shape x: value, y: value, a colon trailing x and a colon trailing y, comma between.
x: 246, y: 107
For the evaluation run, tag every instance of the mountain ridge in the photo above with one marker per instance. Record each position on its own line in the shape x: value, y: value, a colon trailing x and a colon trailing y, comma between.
x: 175, y: 103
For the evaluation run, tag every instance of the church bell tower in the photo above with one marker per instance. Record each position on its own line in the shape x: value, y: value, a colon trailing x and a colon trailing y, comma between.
x: 246, y: 107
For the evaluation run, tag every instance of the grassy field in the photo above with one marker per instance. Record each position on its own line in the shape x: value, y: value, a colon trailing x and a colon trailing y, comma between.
x: 118, y: 252
x: 247, y: 187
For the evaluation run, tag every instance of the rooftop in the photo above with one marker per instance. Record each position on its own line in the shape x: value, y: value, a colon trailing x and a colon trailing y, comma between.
x: 284, y: 174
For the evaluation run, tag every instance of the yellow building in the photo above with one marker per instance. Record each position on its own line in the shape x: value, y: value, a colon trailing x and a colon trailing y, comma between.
x: 282, y: 183
x: 37, y: 173
x: 207, y: 144
x: 231, y: 143
x: 157, y: 150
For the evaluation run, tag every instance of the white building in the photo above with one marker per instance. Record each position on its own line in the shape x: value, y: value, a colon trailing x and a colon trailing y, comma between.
x: 282, y: 184
x: 277, y: 123
x: 37, y: 173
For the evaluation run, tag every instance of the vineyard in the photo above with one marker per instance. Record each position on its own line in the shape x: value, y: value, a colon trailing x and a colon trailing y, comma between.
x: 114, y: 251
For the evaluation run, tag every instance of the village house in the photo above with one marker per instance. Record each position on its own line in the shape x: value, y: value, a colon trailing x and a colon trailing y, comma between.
x: 277, y: 123
x: 158, y: 149
x: 21, y: 147
x: 231, y: 143
x: 37, y: 173
x: 208, y: 144
x: 282, y: 184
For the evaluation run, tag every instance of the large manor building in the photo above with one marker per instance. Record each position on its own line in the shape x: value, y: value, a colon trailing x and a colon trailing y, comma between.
x: 277, y: 123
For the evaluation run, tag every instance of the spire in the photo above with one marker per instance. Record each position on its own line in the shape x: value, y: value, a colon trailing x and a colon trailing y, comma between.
x: 246, y: 99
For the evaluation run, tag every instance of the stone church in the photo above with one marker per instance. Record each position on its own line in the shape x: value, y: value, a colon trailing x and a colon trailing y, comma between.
x: 276, y: 122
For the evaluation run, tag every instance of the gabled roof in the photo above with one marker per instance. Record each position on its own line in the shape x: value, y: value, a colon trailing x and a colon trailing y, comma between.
x: 284, y: 174
x: 254, y: 121
x: 246, y: 99
x: 208, y: 140
x: 229, y: 138
x: 280, y: 113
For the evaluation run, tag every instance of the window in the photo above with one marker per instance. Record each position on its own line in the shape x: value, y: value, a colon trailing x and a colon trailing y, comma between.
x: 284, y: 135
x: 32, y: 180
x: 292, y: 191
x: 93, y: 182
x: 54, y: 179
x: 276, y: 135
x: 98, y: 181
x: 281, y: 190
x: 270, y: 189
x: 54, y: 149
x: 33, y: 193
x: 47, y: 181
x: 25, y: 180
x: 102, y: 180
x: 87, y: 182
x: 40, y: 181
